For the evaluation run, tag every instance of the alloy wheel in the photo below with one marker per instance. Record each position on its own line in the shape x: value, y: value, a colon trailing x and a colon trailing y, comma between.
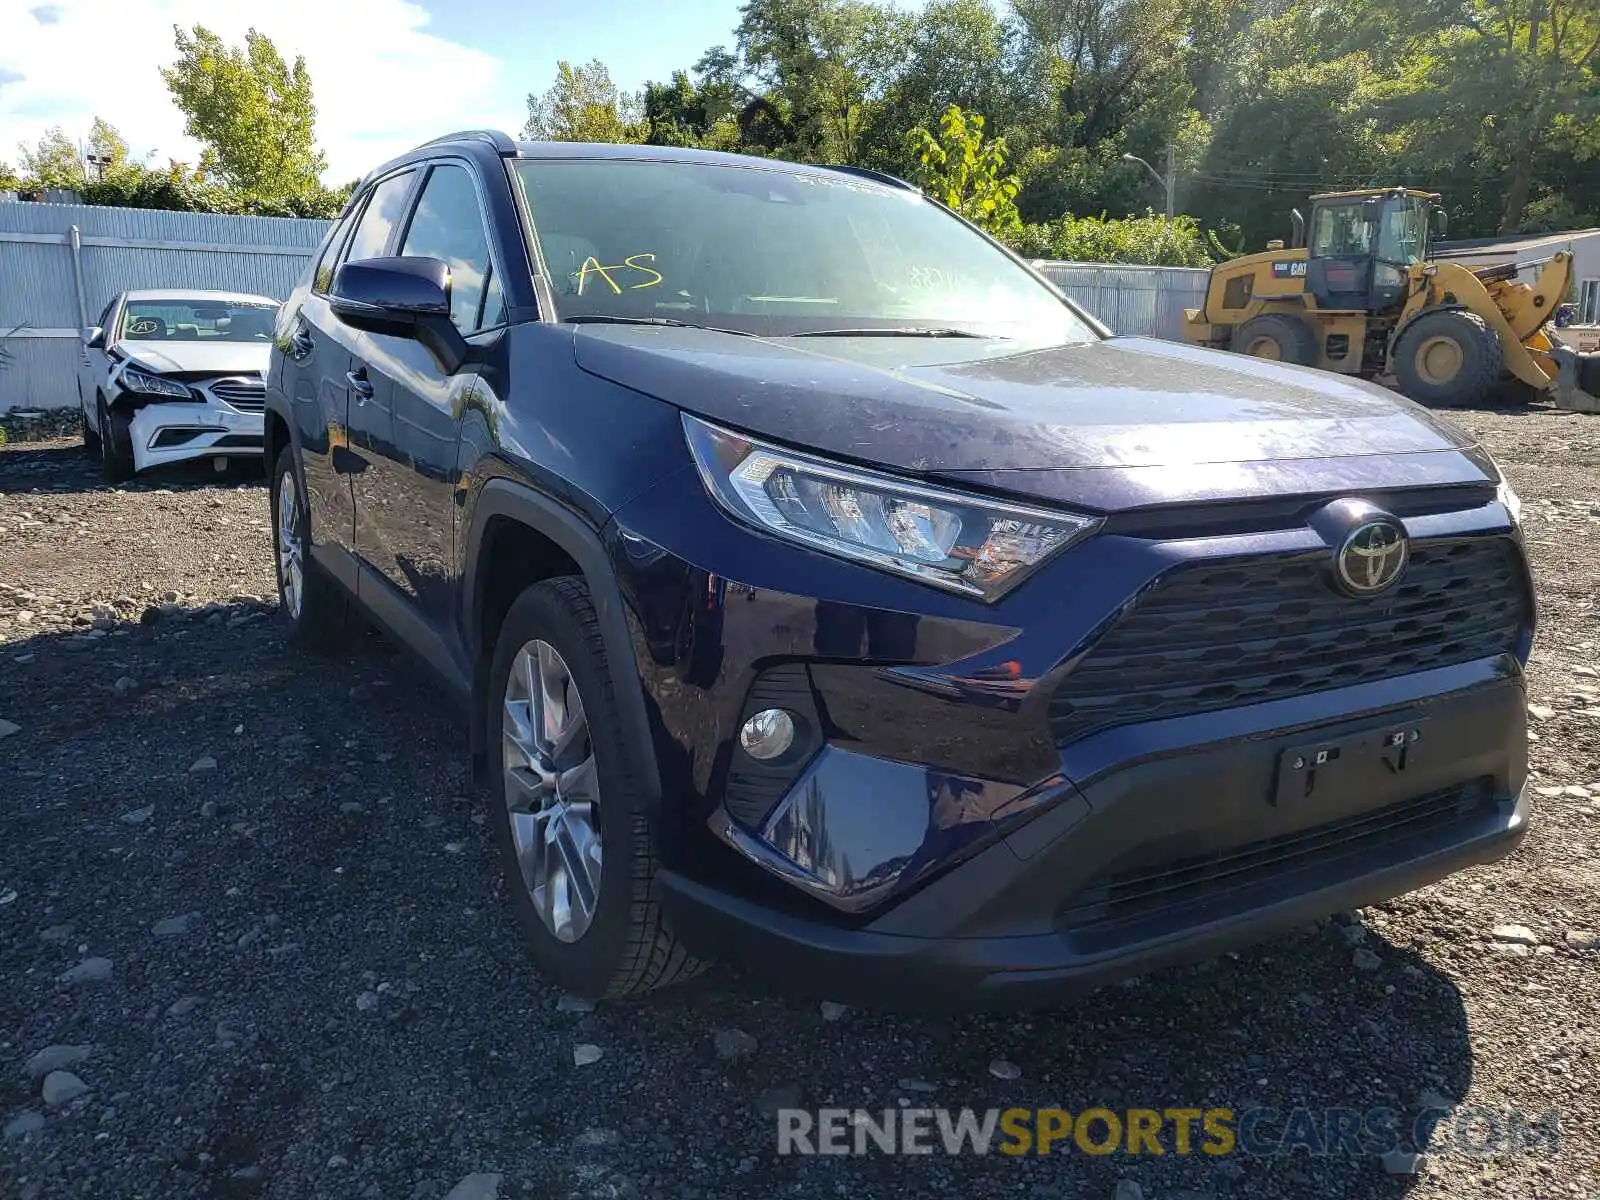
x: 291, y: 569
x: 552, y: 790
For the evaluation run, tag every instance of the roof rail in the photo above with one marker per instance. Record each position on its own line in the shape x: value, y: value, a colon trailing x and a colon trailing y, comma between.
x: 877, y: 176
x: 501, y: 142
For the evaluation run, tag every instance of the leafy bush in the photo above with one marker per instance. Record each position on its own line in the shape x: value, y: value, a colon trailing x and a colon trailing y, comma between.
x: 1152, y: 240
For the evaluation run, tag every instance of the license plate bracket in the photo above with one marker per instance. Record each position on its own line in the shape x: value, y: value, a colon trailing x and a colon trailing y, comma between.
x: 1312, y: 769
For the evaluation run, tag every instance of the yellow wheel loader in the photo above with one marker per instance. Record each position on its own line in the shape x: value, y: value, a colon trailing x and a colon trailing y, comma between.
x: 1360, y: 296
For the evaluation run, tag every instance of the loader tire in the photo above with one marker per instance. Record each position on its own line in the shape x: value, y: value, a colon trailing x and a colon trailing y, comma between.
x: 1448, y: 359
x: 1278, y: 337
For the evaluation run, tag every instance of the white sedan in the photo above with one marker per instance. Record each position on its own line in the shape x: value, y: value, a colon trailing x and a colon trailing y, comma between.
x: 171, y: 375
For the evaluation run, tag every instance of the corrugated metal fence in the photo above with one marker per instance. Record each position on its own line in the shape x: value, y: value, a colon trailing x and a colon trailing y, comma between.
x: 61, y: 263
x: 1145, y: 300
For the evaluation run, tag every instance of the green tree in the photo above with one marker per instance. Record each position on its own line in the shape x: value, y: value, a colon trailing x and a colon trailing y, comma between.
x: 966, y: 171
x: 54, y: 162
x: 253, y: 112
x: 585, y: 106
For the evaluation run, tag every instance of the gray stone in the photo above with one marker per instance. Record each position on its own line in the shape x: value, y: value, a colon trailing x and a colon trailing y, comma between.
x: 574, y: 1004
x: 1510, y: 949
x: 1001, y: 1069
x: 1541, y: 712
x: 585, y: 1053
x: 23, y: 1124
x: 56, y: 933
x: 1365, y: 960
x: 734, y: 1043
x: 90, y: 970
x: 1519, y: 934
x: 7, y: 728
x: 1127, y: 1189
x: 1404, y: 1162
x: 832, y: 1010
x: 204, y: 763
x: 1583, y: 939
x: 62, y: 1087
x: 125, y: 684
x: 183, y: 1006
x: 482, y: 1186
x: 175, y: 926
x: 138, y: 816
x: 367, y: 1001
x: 53, y: 1058
x: 917, y: 1085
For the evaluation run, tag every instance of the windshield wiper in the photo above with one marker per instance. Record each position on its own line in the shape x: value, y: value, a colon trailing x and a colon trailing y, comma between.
x: 911, y: 331
x: 607, y: 319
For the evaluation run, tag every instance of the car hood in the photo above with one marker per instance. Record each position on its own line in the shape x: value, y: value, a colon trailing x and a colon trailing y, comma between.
x: 1110, y: 423
x: 219, y: 358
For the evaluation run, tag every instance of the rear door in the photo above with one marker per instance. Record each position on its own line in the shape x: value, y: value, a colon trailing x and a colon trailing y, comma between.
x: 406, y: 410
x: 317, y: 366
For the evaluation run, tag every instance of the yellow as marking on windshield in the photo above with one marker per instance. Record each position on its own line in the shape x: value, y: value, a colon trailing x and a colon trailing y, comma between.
x: 592, y: 264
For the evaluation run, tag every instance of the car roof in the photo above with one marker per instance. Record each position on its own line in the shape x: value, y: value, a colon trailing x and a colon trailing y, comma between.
x: 197, y: 294
x: 488, y: 144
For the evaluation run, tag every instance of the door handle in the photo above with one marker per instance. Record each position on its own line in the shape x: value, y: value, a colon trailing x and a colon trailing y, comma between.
x: 359, y: 385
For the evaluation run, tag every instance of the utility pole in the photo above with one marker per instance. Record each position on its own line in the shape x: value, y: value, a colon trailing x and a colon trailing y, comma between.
x: 1168, y: 182
x: 1172, y: 181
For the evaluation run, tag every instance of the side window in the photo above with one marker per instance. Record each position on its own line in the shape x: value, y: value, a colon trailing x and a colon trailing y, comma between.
x: 1589, y: 302
x: 447, y: 225
x: 382, y: 214
x: 323, y: 279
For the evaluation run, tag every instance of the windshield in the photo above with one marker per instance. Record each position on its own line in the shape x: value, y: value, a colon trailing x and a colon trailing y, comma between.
x: 197, y: 321
x: 773, y: 252
x: 1395, y: 231
x: 1403, y: 231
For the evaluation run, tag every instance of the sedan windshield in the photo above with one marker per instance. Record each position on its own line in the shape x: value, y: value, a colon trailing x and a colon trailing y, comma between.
x: 775, y: 252
x: 197, y: 321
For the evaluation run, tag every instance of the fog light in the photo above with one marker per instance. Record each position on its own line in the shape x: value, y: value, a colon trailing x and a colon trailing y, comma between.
x: 767, y: 734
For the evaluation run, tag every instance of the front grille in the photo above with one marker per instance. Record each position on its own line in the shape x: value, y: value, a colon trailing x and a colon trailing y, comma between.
x: 1222, y: 634
x: 250, y: 395
x: 1193, y: 889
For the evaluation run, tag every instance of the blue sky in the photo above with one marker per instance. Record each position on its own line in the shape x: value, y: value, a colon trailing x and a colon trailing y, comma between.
x: 638, y: 40
x: 388, y: 74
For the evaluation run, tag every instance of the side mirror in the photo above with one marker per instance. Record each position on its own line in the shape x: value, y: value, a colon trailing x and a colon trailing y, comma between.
x: 95, y: 338
x: 401, y: 297
x: 1297, y: 236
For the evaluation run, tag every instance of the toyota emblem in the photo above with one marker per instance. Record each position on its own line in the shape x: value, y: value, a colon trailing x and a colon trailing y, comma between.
x: 1372, y: 556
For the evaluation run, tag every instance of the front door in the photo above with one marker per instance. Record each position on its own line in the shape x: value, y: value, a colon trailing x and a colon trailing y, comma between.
x: 318, y: 364
x: 405, y: 416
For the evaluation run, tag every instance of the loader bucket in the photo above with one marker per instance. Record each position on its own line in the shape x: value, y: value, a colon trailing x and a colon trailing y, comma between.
x: 1577, y: 380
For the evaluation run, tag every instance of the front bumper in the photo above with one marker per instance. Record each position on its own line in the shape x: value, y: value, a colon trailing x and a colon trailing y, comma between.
x: 177, y: 431
x: 1160, y: 863
x: 953, y: 833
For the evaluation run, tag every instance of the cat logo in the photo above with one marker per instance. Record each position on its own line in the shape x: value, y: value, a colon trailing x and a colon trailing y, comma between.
x: 1293, y: 269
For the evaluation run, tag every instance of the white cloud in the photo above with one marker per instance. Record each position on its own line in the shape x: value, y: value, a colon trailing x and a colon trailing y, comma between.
x: 383, y: 83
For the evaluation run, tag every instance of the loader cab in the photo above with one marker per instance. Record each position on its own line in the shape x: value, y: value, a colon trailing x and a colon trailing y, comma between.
x: 1361, y: 245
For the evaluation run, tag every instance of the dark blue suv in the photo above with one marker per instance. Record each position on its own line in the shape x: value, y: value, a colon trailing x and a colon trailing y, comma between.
x: 830, y: 595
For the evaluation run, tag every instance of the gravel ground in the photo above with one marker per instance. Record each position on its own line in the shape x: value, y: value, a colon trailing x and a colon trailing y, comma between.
x: 313, y: 984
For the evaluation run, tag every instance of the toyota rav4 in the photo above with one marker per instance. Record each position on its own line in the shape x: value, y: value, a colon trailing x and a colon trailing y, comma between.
x: 829, y: 594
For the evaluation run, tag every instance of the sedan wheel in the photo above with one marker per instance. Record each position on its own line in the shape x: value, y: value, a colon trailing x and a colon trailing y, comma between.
x: 552, y: 790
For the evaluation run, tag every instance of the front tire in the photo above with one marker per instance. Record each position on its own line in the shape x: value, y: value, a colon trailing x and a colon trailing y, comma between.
x: 115, y: 441
x: 316, y: 611
x: 571, y: 817
x: 1449, y: 358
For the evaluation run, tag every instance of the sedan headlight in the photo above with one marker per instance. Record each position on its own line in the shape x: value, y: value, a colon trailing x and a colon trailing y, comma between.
x: 153, y: 385
x: 964, y: 543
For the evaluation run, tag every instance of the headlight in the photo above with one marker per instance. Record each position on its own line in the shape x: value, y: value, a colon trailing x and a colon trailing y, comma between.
x: 964, y: 543
x: 1510, y: 499
x: 153, y: 385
